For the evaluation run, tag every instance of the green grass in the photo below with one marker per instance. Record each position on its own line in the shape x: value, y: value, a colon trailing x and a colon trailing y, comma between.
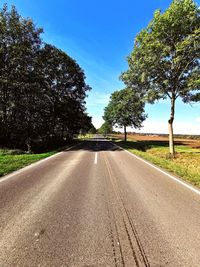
x: 185, y: 165
x: 10, y: 162
x: 14, y: 159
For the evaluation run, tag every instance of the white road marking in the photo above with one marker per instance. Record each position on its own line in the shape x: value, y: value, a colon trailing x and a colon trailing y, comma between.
x: 8, y: 176
x: 195, y: 190
x: 95, y: 159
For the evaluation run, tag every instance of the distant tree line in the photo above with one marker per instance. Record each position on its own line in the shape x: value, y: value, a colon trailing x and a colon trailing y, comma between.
x: 42, y: 89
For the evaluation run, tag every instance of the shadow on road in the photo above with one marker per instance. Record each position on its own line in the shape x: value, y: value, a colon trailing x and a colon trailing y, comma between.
x: 96, y: 144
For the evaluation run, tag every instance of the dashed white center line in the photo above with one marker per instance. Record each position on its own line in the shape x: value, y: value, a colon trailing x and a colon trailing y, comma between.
x: 95, y: 159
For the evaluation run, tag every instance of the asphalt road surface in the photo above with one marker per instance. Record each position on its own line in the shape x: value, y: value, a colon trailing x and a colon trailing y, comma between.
x: 96, y: 205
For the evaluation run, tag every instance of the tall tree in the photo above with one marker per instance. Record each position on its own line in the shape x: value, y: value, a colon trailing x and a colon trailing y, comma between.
x: 65, y: 91
x: 19, y: 89
x: 85, y: 124
x: 42, y: 89
x: 125, y: 109
x: 165, y: 62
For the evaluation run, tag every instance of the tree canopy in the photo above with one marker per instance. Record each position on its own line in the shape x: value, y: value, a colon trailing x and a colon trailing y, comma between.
x: 125, y: 108
x: 106, y: 128
x: 165, y: 61
x: 42, y: 89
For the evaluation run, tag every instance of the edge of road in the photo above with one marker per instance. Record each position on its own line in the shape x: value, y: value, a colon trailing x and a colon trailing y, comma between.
x: 10, y: 175
x: 174, y: 178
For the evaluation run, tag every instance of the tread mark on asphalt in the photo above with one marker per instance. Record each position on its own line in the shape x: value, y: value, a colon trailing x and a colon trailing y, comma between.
x: 128, y: 217
x: 110, y: 211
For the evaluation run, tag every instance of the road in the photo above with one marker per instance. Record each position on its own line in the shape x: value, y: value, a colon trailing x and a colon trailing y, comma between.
x: 96, y: 205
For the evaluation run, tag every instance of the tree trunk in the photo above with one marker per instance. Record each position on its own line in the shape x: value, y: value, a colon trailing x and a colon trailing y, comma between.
x: 62, y: 133
x: 170, y: 127
x: 125, y: 134
x: 29, y: 147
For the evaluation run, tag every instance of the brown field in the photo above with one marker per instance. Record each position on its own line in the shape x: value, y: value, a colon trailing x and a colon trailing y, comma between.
x: 185, y: 140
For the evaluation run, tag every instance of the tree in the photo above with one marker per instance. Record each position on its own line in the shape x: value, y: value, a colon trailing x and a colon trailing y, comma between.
x: 165, y: 62
x: 125, y: 109
x: 105, y: 128
x: 65, y: 91
x: 92, y: 130
x: 19, y: 44
x: 42, y: 89
x: 85, y: 123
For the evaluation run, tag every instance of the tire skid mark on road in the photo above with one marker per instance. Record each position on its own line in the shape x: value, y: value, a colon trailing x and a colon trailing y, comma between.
x: 115, y: 220
x: 112, y: 236
x: 137, y: 239
x: 114, y: 233
x: 140, y: 260
x: 119, y: 243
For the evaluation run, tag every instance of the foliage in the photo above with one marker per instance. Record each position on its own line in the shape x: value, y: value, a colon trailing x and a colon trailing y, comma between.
x: 92, y: 130
x: 105, y: 128
x: 165, y: 62
x: 125, y: 109
x: 193, y: 98
x: 42, y: 89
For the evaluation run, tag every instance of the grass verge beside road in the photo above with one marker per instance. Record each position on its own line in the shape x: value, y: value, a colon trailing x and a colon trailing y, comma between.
x: 12, y: 162
x: 14, y: 159
x: 186, y: 164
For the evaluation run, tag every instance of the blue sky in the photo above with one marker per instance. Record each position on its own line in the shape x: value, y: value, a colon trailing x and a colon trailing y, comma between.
x: 99, y: 35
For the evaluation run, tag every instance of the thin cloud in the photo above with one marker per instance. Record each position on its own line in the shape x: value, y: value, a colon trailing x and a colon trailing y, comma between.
x: 97, y: 99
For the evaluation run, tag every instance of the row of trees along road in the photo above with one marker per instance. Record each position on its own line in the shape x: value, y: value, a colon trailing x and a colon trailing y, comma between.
x: 165, y: 61
x: 42, y: 89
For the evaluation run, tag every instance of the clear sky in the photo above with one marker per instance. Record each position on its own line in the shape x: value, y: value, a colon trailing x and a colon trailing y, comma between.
x: 99, y: 35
